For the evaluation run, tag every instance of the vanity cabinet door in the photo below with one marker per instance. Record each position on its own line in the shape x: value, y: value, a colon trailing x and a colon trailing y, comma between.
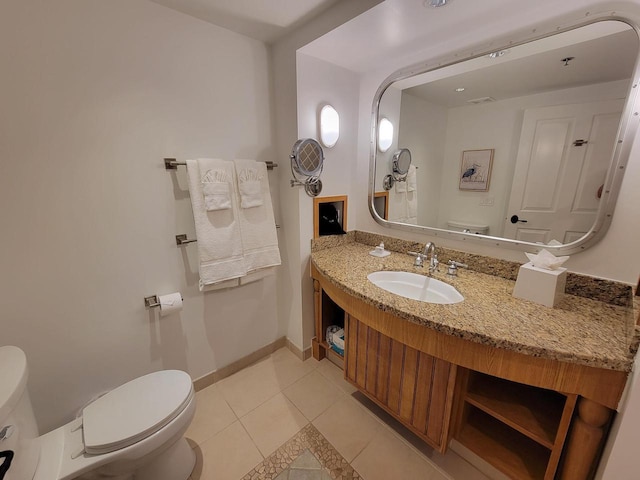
x: 414, y: 387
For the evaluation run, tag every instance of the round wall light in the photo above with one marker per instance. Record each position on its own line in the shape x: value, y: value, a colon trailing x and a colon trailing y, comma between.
x: 329, y: 126
x: 385, y: 134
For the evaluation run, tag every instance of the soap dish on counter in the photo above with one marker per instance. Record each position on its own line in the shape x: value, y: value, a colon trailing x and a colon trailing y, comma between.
x: 379, y: 251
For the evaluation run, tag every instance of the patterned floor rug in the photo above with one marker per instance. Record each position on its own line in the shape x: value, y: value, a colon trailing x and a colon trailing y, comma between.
x: 307, y: 455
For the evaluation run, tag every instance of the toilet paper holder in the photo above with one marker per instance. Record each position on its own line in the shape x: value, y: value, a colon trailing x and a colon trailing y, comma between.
x: 152, y: 301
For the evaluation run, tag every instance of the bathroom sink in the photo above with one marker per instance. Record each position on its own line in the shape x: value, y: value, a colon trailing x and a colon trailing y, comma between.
x: 416, y: 287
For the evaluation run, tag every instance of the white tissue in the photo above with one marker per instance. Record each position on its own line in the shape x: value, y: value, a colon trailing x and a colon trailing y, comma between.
x: 546, y: 260
x: 170, y: 303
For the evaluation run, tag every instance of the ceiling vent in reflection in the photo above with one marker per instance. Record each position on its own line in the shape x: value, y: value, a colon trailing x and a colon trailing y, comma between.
x: 476, y: 101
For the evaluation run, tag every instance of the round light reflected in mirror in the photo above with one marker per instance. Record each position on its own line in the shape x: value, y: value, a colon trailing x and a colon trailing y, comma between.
x: 329, y: 126
x: 385, y: 134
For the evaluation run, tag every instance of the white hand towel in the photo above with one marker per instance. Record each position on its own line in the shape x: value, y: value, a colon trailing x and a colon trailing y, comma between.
x: 257, y: 224
x: 412, y: 179
x: 249, y: 187
x: 215, y: 188
x: 401, y: 187
x: 218, y: 232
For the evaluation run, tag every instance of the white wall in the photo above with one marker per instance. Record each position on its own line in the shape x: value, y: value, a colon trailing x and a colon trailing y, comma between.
x: 294, y: 295
x: 423, y: 130
x: 320, y: 83
x: 94, y: 94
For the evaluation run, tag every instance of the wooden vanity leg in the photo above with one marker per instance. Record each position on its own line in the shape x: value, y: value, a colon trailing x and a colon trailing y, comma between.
x: 585, y: 439
x: 318, y: 353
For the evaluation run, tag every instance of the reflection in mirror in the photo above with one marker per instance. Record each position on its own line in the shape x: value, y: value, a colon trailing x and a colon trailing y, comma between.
x: 549, y: 113
x: 385, y: 134
x: 401, y: 163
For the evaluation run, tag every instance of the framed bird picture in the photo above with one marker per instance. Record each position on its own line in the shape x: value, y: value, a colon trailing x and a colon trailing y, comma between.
x: 475, y: 171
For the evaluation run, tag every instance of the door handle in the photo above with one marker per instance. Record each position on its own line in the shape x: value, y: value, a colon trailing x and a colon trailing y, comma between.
x: 515, y: 219
x: 6, y: 457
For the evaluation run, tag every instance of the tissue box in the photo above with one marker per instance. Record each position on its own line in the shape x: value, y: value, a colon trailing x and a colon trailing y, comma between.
x: 539, y: 285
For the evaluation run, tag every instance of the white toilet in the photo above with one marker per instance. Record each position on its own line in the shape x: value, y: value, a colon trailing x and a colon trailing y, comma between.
x: 134, y: 432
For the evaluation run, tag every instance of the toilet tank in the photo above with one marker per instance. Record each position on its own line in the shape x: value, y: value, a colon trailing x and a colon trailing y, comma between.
x: 468, y: 227
x: 19, y: 444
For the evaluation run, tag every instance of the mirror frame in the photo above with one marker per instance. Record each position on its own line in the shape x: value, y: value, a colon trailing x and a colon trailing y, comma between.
x: 629, y: 123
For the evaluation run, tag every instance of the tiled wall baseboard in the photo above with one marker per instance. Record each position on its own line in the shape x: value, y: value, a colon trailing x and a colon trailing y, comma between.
x: 301, y: 354
x: 226, y: 371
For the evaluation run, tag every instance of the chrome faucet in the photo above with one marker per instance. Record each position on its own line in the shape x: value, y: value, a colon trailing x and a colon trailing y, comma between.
x: 421, y: 257
x: 430, y: 247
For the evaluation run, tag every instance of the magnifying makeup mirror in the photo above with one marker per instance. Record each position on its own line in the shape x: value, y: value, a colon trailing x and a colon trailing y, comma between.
x: 400, y: 163
x: 307, y: 159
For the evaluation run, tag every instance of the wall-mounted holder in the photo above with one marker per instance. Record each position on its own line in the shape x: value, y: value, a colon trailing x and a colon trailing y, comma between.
x: 151, y: 301
x: 381, y: 204
x: 166, y: 304
x: 329, y: 215
x: 183, y: 240
x: 173, y: 164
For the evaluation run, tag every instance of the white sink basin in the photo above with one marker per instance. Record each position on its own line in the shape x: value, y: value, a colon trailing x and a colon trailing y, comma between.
x: 416, y: 287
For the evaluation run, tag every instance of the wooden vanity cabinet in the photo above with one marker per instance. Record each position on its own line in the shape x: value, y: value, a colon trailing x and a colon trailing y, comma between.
x: 519, y: 429
x: 532, y: 418
x: 414, y: 387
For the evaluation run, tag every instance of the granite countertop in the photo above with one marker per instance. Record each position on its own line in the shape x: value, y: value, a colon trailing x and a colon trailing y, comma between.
x: 577, y: 330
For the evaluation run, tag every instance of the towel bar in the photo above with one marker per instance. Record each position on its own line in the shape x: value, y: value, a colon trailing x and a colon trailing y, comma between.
x: 183, y: 240
x: 172, y: 164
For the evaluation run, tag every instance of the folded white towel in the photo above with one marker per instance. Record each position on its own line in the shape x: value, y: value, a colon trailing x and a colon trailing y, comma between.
x: 401, y: 187
x: 257, y: 224
x: 215, y: 188
x: 412, y: 179
x: 249, y: 187
x: 220, y: 253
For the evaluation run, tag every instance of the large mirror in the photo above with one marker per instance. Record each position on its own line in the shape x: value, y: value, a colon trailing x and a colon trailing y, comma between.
x: 521, y: 145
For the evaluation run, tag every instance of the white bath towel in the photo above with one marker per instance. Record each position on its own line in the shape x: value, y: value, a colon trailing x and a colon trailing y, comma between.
x: 218, y: 232
x: 412, y: 179
x: 220, y: 285
x: 411, y: 197
x: 398, y: 206
x: 257, y: 275
x: 257, y: 224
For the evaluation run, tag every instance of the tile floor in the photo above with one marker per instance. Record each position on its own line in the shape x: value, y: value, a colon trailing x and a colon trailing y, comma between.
x: 254, y: 417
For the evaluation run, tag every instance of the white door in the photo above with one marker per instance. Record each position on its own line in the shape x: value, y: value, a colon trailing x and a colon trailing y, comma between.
x: 562, y: 161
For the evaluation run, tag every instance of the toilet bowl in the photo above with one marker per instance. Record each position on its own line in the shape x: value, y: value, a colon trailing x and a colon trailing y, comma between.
x: 134, y: 432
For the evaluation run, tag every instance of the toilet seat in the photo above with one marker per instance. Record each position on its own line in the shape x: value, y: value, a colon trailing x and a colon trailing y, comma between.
x: 135, y: 410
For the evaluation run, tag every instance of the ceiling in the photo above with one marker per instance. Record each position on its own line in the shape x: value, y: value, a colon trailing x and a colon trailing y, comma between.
x: 264, y: 20
x: 535, y: 68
